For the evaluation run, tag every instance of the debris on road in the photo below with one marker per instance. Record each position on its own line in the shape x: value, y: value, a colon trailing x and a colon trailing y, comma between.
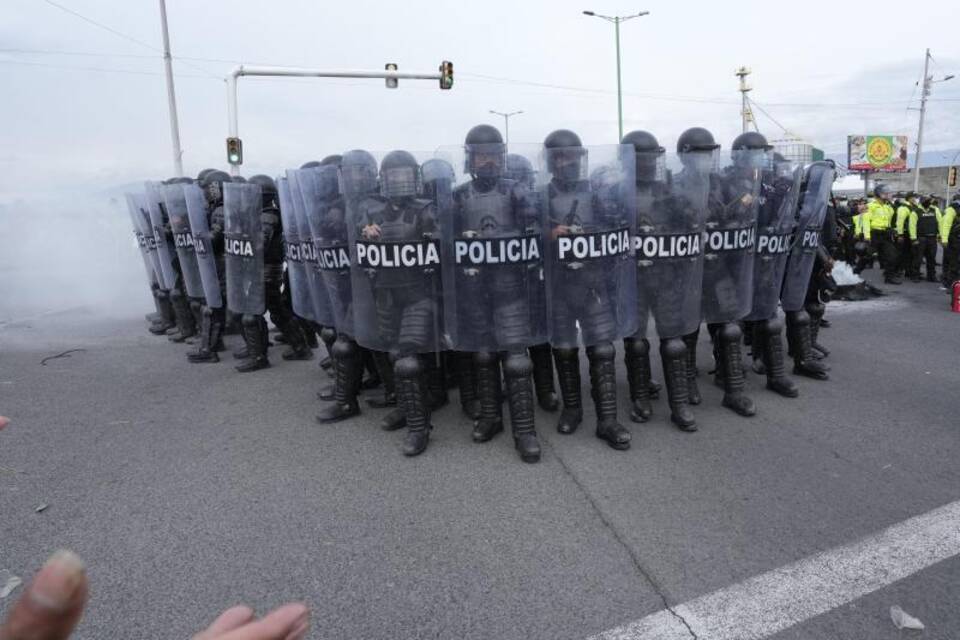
x: 903, y: 620
x: 65, y: 354
x: 8, y: 582
x: 41, y: 507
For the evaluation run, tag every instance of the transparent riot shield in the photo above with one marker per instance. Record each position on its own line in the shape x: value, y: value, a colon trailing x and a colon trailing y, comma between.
x: 589, y: 198
x: 814, y: 197
x: 395, y: 258
x: 203, y: 244
x: 147, y: 248
x: 243, y: 248
x: 176, y: 204
x: 493, y: 254
x: 730, y: 237
x: 159, y: 225
x: 325, y: 214
x: 319, y: 298
x: 776, y: 218
x: 668, y: 243
x: 300, y: 295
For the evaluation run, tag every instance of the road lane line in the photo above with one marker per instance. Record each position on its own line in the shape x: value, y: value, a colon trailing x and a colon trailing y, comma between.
x: 771, y: 602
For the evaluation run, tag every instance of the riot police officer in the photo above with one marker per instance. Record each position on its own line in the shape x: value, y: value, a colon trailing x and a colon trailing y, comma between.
x: 494, y: 237
x: 521, y: 170
x: 281, y: 312
x: 214, y: 311
x: 586, y: 290
x: 395, y: 263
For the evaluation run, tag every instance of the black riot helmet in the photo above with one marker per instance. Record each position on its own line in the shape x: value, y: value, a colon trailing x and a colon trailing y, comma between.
x: 650, y: 158
x: 750, y: 151
x: 782, y: 168
x: 238, y: 179
x: 268, y: 190
x: 212, y: 184
x: 333, y: 159
x: 437, y: 175
x: 882, y: 191
x: 697, y: 149
x: 566, y: 158
x: 358, y: 172
x: 203, y: 173
x: 519, y: 168
x: 179, y: 180
x: 399, y: 175
x: 485, y: 155
x: 310, y: 165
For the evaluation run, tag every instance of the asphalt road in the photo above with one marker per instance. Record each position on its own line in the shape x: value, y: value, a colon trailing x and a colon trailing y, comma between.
x: 188, y: 488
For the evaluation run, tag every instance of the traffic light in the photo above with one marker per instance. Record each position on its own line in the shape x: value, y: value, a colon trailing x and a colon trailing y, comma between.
x: 446, y: 74
x: 235, y: 151
x: 391, y: 82
x: 952, y: 177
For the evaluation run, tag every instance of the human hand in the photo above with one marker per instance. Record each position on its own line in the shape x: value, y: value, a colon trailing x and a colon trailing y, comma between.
x: 289, y: 622
x: 52, y: 603
x: 4, y: 421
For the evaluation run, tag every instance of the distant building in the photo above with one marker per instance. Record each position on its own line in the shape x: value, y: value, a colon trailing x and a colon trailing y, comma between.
x: 797, y: 150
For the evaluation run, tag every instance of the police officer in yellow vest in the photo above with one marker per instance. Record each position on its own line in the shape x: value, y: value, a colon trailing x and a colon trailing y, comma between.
x: 923, y: 230
x: 878, y: 230
x: 950, y: 239
x: 904, y: 208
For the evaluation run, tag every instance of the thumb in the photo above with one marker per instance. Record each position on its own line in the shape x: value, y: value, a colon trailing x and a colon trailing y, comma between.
x: 51, y: 605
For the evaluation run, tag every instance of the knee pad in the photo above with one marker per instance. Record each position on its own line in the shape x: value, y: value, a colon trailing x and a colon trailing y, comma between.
x: 730, y: 332
x: 328, y: 335
x: 408, y: 367
x: 343, y: 348
x: 602, y: 351
x: 798, y: 318
x: 773, y: 325
x: 250, y: 322
x: 673, y: 347
x: 517, y: 365
x: 485, y: 358
x: 567, y: 354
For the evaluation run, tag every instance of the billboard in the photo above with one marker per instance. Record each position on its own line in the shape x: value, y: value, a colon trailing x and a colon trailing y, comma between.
x: 877, y: 153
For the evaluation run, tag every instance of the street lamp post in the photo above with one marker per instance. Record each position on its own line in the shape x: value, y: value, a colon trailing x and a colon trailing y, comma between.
x: 616, y: 20
x: 506, y: 121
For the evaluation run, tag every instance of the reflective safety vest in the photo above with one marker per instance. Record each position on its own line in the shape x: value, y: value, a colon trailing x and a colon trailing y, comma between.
x: 950, y: 224
x: 925, y: 222
x: 879, y: 217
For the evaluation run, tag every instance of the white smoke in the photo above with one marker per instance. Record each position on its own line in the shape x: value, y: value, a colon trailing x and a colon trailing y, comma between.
x: 60, y: 252
x: 844, y: 275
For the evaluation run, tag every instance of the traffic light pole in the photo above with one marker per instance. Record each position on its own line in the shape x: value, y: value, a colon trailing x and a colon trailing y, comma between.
x: 171, y: 94
x: 243, y: 70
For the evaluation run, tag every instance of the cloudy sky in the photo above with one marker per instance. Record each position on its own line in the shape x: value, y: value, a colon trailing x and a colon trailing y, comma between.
x: 85, y: 107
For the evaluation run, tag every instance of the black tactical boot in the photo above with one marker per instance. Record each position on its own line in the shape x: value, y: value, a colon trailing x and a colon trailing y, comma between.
x: 758, y: 346
x: 543, y: 377
x: 798, y: 337
x: 297, y: 341
x: 816, y: 311
x: 467, y: 381
x: 167, y: 317
x: 693, y: 390
x: 372, y: 381
x: 348, y: 368
x: 435, y: 381
x: 772, y: 354
x: 568, y: 373
x: 386, y: 368
x: 603, y: 382
x: 309, y: 332
x: 210, y: 328
x: 517, y: 370
x: 636, y: 357
x: 490, y: 421
x: 328, y: 335
x: 181, y: 310
x: 674, y: 357
x: 410, y: 391
x: 731, y: 364
x: 253, y: 330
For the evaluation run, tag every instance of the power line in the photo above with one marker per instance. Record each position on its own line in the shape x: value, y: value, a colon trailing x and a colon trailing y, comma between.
x: 101, y: 69
x: 121, y: 34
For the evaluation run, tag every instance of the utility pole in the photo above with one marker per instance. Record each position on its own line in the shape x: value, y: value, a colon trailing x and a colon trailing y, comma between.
x: 506, y: 122
x: 745, y: 112
x: 616, y: 20
x: 171, y: 94
x: 928, y: 82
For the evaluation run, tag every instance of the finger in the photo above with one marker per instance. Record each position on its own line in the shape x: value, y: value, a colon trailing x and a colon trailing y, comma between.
x: 229, y: 620
x: 289, y: 622
x: 4, y: 421
x: 51, y: 605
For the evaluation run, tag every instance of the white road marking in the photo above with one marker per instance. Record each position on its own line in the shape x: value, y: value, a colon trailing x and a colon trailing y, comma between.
x: 771, y: 602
